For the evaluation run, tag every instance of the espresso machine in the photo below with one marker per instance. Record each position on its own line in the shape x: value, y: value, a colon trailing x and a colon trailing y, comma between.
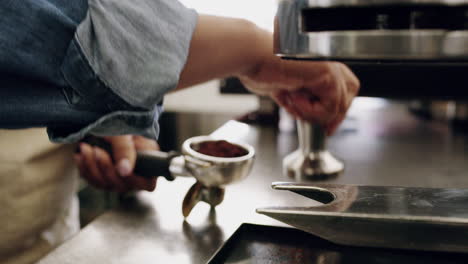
x: 407, y: 49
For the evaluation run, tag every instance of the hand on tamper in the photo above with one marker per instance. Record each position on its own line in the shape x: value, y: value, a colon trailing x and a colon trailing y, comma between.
x: 311, y: 161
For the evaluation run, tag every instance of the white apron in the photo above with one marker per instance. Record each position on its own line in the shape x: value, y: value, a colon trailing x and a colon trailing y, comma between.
x: 38, y: 205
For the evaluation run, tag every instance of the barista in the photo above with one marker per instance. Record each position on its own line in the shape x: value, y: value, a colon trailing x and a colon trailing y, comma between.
x: 102, y: 68
x: 69, y: 57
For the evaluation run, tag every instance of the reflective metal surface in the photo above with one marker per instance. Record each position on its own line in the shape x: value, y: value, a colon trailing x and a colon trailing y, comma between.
x: 418, y: 218
x: 267, y: 244
x: 312, y: 161
x: 378, y: 43
x: 381, y: 142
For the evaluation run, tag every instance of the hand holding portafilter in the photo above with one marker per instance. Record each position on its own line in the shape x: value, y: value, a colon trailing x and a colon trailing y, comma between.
x: 233, y: 162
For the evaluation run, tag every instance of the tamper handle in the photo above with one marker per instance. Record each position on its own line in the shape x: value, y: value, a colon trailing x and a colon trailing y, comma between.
x: 312, y: 137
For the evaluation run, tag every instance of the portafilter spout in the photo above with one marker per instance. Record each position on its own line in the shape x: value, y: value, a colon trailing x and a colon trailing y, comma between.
x: 311, y: 161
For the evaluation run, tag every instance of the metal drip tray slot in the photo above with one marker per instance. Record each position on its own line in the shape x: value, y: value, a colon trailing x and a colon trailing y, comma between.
x: 268, y: 244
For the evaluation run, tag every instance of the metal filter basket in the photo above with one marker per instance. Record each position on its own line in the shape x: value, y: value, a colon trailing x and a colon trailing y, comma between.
x: 212, y: 173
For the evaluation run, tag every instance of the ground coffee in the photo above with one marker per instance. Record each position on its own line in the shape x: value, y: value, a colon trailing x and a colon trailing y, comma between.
x: 220, y: 148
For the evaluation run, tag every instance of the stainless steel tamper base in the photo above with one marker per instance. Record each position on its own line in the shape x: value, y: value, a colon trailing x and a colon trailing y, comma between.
x: 313, y: 166
x: 312, y: 161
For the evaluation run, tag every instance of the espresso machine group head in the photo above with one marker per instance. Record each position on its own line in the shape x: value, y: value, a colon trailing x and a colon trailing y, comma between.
x: 408, y: 49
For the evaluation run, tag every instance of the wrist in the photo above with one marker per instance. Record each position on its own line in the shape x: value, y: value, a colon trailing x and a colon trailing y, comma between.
x: 260, y: 50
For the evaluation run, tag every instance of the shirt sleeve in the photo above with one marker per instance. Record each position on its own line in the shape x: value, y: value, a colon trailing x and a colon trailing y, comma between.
x: 127, y: 54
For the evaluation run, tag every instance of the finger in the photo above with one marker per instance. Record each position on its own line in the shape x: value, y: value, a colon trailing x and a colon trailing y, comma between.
x: 329, y: 92
x: 311, y: 109
x: 317, y: 77
x: 283, y: 99
x: 108, y: 171
x: 349, y: 88
x: 257, y: 87
x: 324, y: 90
x: 296, y: 106
x: 89, y: 162
x: 352, y: 82
x: 83, y: 171
x: 333, y: 126
x: 341, y: 106
x: 299, y: 72
x: 142, y: 143
x: 124, y: 153
x: 139, y: 183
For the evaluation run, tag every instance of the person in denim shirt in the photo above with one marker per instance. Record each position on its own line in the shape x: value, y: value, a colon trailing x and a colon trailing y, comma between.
x: 102, y: 68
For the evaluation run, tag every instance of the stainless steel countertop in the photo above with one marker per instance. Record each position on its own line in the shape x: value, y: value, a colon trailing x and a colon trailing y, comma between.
x: 380, y: 142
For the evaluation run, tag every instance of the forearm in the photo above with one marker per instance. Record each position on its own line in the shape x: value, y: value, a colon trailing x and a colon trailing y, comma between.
x: 222, y: 47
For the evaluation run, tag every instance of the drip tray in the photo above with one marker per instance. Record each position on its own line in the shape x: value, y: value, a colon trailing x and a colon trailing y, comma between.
x: 269, y: 244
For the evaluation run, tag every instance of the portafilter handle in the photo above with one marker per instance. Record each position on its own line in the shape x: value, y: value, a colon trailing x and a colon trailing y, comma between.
x: 149, y: 164
x: 311, y: 161
x: 153, y: 163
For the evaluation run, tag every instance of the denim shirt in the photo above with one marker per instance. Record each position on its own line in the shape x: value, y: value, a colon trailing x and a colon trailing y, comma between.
x: 97, y: 67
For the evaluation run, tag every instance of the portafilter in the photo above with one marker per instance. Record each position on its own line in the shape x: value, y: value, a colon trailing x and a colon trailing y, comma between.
x: 212, y: 173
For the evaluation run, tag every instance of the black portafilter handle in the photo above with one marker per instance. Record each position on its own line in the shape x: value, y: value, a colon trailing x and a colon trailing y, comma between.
x: 149, y: 164
x: 154, y: 163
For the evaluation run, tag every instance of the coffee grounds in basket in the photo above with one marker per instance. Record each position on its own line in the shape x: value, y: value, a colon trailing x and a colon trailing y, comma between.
x: 220, y: 148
